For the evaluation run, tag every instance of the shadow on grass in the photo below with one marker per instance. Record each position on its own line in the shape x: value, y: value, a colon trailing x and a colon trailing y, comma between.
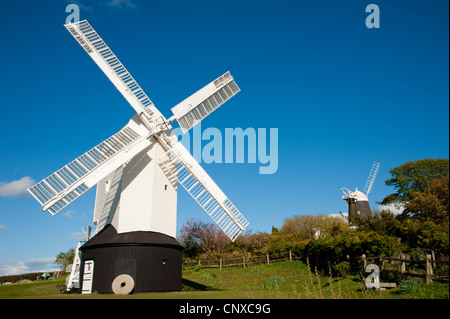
x: 189, y: 285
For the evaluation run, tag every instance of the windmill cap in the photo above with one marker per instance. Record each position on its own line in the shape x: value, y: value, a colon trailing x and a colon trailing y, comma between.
x: 358, y: 195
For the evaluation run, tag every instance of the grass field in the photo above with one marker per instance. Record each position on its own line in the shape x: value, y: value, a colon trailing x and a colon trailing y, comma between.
x: 283, y: 280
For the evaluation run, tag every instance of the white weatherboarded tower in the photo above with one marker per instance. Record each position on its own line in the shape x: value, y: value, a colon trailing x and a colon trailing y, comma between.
x: 358, y: 202
x: 137, y: 171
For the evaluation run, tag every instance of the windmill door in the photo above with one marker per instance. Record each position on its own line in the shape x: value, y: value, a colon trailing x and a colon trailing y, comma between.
x: 88, y: 276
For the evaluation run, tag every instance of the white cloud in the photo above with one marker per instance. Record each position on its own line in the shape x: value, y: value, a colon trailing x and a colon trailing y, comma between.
x: 2, y: 227
x: 121, y: 4
x: 68, y: 214
x: 102, y: 4
x: 76, y: 236
x: 343, y: 216
x: 16, y: 188
x: 17, y: 267
x: 395, y: 208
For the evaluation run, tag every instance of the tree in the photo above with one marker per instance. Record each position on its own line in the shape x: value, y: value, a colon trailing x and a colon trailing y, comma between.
x: 251, y: 242
x: 426, y: 234
x: 65, y: 258
x: 432, y: 203
x: 382, y: 221
x: 310, y: 226
x: 304, y: 226
x: 414, y: 176
x: 197, y: 237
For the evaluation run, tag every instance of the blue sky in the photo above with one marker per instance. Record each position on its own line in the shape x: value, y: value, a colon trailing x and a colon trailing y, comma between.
x: 341, y: 96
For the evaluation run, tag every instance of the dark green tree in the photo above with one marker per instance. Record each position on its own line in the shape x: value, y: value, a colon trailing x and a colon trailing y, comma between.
x: 414, y: 176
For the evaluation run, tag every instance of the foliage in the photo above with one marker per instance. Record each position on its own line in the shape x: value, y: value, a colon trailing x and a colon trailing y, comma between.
x: 253, y: 243
x: 414, y: 176
x: 424, y: 226
x: 343, y: 268
x: 413, y: 288
x: 353, y: 244
x: 311, y: 226
x: 432, y: 203
x: 383, y: 222
x: 426, y: 234
x: 197, y: 236
x: 408, y: 286
x: 274, y: 282
x: 65, y: 258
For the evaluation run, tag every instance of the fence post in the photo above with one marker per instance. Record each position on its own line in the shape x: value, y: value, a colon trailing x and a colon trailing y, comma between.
x: 267, y: 258
x: 290, y: 255
x: 364, y: 260
x: 402, y: 265
x: 429, y: 269
x: 382, y: 262
x: 220, y: 264
x: 243, y: 260
x: 433, y: 259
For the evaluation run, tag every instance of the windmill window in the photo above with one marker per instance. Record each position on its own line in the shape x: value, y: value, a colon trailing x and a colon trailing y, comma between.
x: 165, y: 187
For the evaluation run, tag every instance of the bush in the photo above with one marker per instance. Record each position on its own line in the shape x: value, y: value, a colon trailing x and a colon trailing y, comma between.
x: 274, y: 282
x: 356, y: 243
x: 343, y: 268
x: 413, y: 288
x: 408, y: 286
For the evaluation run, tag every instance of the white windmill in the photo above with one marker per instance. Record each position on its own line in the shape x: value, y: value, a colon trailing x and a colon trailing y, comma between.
x: 358, y: 202
x: 136, y: 172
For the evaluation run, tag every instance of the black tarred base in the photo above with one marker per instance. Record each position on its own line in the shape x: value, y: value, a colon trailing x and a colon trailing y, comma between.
x: 152, y: 259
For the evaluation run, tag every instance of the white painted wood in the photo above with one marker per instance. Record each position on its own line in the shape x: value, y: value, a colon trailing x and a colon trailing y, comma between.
x: 204, y: 190
x: 88, y: 277
x: 199, y: 105
x: 108, y: 62
x: 135, y: 190
x: 55, y: 195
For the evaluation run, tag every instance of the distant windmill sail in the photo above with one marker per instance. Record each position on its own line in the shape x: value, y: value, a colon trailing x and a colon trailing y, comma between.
x: 371, y: 179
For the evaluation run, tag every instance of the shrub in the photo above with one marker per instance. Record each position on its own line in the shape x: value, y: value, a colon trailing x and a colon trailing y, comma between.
x: 408, y: 286
x: 274, y: 282
x: 413, y: 288
x: 343, y: 268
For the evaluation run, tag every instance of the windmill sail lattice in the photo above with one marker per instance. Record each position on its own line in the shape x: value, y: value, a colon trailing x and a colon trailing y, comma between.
x: 136, y: 172
x: 371, y: 179
x: 62, y: 187
x: 205, y: 101
x: 71, y: 181
x: 204, y: 190
x: 97, y: 49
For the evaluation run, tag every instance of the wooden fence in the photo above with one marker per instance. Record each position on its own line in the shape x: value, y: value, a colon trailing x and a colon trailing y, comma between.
x: 244, y: 261
x: 429, y: 268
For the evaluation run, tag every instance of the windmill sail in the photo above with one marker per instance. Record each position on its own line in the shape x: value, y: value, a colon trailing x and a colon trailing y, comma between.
x: 108, y: 62
x: 195, y: 108
x: 68, y: 183
x: 371, y: 179
x: 204, y: 190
